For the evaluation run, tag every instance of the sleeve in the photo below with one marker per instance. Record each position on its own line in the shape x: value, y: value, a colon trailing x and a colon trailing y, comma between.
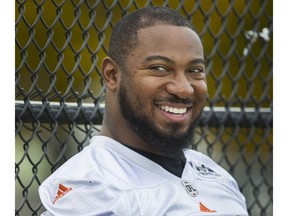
x: 83, y: 197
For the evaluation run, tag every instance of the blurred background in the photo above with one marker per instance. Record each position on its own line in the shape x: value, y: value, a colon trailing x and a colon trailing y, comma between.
x: 59, y: 93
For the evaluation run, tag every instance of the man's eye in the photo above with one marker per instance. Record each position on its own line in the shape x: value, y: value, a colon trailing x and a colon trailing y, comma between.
x: 159, y: 68
x: 197, y: 70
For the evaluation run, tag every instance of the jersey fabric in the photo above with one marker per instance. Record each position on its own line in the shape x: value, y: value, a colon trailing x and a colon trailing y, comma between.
x: 107, y: 178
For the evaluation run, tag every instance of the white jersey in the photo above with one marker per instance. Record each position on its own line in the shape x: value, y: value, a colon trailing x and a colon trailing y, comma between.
x: 107, y: 178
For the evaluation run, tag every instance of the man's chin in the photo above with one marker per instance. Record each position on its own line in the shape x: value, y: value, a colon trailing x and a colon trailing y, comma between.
x: 177, y: 133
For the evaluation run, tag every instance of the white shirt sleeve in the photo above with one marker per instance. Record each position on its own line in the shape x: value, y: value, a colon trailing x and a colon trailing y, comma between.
x: 83, y: 197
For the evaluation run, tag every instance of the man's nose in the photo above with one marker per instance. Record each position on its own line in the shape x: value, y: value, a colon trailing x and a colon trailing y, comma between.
x: 180, y: 86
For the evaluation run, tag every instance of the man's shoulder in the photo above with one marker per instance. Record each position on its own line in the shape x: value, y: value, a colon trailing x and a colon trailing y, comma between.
x: 192, y: 154
x: 201, y: 160
x: 106, y: 160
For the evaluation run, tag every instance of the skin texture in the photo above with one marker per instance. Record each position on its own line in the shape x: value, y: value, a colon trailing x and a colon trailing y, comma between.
x: 165, y: 73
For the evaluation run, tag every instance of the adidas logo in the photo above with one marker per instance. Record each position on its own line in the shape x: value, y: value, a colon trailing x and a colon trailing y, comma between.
x: 204, y: 208
x: 62, y: 190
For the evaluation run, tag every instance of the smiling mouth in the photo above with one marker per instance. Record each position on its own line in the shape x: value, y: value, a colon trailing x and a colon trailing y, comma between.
x: 173, y: 110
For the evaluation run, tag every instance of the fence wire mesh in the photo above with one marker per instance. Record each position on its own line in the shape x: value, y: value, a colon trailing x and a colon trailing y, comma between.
x: 59, y: 92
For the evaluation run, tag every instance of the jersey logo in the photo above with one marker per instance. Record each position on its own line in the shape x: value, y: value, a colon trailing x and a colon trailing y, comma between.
x: 204, y: 208
x: 62, y: 190
x: 189, y: 188
x: 205, y: 171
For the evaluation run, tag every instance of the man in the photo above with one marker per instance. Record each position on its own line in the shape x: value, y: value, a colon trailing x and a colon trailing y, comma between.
x: 140, y: 164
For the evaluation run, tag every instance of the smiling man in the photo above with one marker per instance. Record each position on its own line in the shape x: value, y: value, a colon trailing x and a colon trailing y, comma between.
x: 140, y: 163
x: 161, y: 90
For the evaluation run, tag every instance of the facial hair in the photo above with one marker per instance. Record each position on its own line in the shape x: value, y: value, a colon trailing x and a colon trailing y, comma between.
x: 170, y: 144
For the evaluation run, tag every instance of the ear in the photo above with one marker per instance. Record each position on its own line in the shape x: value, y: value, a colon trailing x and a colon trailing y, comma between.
x: 110, y: 73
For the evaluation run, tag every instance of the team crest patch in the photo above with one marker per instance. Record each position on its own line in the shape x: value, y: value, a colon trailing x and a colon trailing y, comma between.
x: 205, y: 171
x: 189, y: 188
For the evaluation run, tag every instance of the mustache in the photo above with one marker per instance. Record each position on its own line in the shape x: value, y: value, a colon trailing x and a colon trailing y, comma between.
x: 177, y: 100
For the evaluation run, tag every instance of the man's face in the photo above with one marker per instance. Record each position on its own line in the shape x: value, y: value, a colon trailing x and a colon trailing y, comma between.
x: 163, y: 88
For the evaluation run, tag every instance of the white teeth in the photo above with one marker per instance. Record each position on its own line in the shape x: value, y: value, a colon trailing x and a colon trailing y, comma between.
x: 174, y: 110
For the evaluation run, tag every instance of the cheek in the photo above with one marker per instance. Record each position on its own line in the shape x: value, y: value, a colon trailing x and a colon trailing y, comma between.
x: 201, y: 90
x: 201, y: 86
x: 137, y: 96
x: 143, y: 95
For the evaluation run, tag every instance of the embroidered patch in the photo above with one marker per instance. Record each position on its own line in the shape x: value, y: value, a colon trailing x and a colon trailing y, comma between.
x: 205, y: 171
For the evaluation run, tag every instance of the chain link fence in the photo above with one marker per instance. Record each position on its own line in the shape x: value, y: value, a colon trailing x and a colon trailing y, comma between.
x: 59, y: 92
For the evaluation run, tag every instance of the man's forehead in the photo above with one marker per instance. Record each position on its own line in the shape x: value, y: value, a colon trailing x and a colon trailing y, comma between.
x: 162, y: 31
x: 169, y: 38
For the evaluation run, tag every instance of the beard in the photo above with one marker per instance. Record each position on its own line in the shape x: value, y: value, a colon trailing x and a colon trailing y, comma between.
x: 168, y: 143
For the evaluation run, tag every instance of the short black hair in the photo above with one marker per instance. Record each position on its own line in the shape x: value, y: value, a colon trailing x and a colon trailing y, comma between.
x: 124, y: 35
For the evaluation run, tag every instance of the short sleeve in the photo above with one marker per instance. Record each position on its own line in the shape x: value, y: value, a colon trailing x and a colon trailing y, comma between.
x: 83, y: 197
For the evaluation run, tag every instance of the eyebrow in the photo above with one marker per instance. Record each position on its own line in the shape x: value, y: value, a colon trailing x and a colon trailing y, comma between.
x: 159, y: 57
x: 168, y: 60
